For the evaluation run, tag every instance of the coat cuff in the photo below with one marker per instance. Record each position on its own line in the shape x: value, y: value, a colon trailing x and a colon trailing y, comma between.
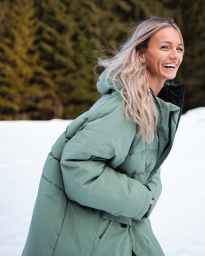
x: 146, y: 205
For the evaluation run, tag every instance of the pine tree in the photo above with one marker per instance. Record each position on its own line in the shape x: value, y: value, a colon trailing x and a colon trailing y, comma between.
x: 17, y: 61
x: 70, y: 33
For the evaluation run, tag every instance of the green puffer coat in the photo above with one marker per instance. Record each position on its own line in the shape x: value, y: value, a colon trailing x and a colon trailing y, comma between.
x: 99, y: 179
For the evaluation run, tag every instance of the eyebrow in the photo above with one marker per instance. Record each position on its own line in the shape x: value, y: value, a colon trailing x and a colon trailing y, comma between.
x: 169, y: 43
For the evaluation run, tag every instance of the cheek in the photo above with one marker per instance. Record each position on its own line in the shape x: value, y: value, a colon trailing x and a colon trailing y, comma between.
x: 181, y: 60
x: 152, y: 62
x: 159, y: 66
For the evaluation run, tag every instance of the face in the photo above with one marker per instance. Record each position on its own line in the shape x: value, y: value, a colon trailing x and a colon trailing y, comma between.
x: 164, y: 54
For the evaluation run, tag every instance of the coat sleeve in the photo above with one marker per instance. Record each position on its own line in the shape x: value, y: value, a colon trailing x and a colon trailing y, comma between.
x: 88, y: 177
x: 155, y: 186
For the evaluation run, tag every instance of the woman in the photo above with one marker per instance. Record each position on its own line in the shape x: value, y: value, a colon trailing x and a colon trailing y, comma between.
x: 101, y: 180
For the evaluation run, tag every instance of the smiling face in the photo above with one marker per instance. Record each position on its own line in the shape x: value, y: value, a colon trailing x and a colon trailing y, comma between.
x: 163, y: 56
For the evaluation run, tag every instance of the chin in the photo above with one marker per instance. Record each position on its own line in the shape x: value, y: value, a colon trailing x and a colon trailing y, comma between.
x: 169, y: 77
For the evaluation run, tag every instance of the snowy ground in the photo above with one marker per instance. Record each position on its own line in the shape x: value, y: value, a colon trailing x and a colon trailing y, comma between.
x: 178, y: 220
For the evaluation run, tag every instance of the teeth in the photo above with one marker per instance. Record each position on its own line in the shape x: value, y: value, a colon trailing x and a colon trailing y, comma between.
x: 169, y: 65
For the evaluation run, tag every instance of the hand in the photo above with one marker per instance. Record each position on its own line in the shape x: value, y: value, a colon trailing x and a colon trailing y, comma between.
x: 151, y: 202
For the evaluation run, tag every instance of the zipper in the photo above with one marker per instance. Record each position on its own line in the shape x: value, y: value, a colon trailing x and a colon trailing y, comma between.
x: 104, y: 230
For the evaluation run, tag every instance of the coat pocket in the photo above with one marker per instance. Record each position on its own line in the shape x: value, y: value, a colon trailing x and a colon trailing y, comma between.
x: 103, y: 227
x: 143, y: 227
x: 143, y: 234
x: 104, y: 230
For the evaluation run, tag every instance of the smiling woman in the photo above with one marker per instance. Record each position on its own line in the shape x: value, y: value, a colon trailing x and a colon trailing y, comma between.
x: 101, y: 180
x: 139, y: 64
x: 162, y: 57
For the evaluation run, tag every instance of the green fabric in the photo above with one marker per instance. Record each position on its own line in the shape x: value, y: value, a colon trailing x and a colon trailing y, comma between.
x: 93, y: 181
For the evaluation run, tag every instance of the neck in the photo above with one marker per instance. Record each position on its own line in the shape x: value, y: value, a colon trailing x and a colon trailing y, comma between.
x: 155, y: 84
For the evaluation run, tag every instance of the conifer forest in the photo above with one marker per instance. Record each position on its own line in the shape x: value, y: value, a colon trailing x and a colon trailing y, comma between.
x: 49, y: 48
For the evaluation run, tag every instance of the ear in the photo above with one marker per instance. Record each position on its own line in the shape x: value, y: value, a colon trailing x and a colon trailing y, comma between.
x: 142, y: 56
x: 143, y: 59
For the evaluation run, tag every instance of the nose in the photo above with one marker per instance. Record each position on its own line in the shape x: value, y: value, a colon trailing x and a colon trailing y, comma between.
x: 174, y: 55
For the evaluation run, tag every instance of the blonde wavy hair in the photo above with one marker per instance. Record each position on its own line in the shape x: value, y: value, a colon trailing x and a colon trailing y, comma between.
x: 137, y: 101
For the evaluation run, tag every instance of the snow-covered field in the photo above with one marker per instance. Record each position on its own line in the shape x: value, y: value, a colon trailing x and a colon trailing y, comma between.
x: 178, y: 220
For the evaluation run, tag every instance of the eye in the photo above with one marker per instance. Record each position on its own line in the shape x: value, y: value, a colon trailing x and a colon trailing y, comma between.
x: 164, y: 47
x: 180, y: 49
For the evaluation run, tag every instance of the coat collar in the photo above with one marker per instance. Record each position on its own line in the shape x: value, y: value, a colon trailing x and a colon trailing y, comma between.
x: 173, y: 94
x: 170, y: 98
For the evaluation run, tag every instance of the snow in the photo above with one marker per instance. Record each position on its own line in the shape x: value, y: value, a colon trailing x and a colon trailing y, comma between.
x: 178, y: 219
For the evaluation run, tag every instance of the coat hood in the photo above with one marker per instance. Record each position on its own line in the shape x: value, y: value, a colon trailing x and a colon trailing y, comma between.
x: 105, y: 83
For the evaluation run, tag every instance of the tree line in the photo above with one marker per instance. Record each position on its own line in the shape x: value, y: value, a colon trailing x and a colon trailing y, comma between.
x: 48, y: 49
